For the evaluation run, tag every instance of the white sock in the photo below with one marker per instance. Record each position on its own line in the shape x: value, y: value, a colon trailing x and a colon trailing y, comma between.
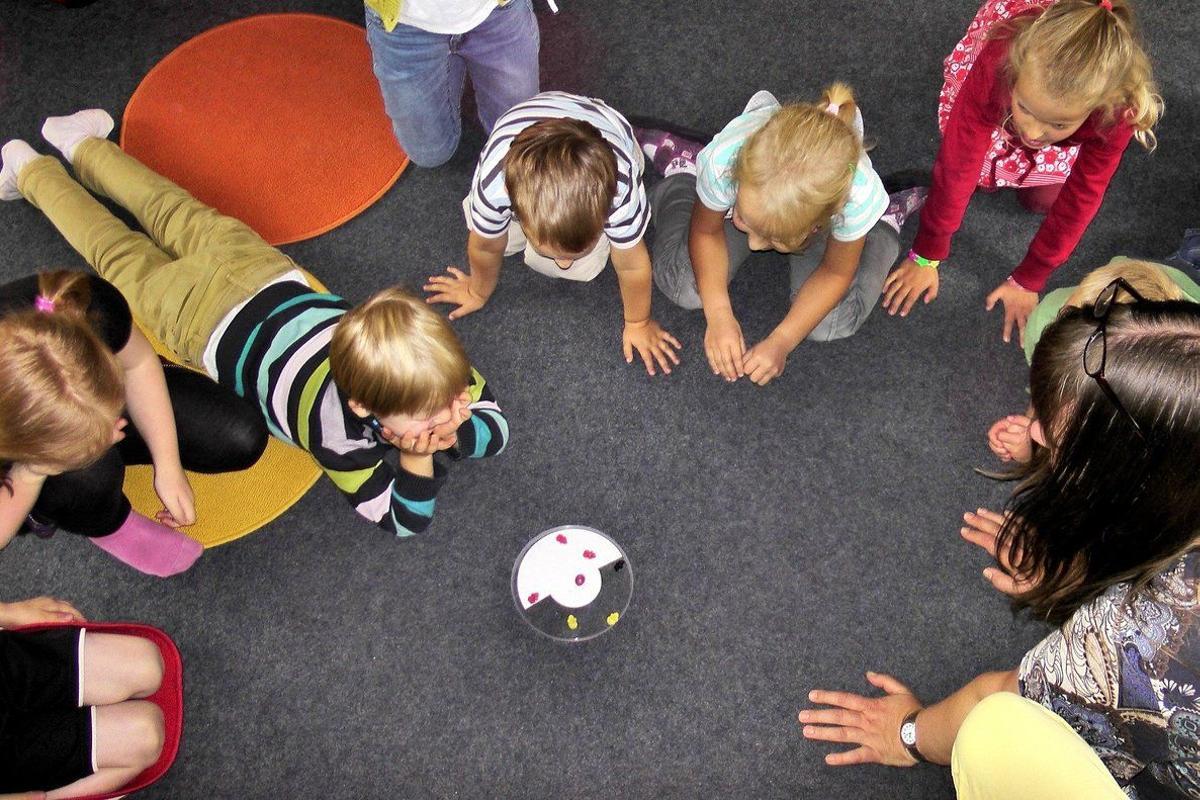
x: 65, y: 133
x: 15, y: 155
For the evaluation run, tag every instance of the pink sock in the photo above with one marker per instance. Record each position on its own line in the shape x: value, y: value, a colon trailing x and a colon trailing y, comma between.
x: 150, y: 547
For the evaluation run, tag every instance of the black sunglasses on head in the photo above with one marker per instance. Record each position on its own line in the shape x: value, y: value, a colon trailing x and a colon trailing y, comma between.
x: 1095, y: 351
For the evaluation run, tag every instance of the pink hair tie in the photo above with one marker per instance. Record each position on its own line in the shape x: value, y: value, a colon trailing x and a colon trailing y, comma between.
x: 1106, y: 4
x: 834, y: 108
x: 44, y: 304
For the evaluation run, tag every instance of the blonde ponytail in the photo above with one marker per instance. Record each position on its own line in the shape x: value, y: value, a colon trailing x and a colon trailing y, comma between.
x: 801, y: 165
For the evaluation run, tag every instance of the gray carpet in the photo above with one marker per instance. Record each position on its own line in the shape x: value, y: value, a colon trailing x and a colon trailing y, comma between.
x: 782, y: 538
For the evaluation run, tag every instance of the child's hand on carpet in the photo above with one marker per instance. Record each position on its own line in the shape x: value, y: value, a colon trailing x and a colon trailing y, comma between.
x: 1010, y: 440
x: 765, y: 361
x: 904, y: 287
x: 455, y: 288
x: 1018, y: 303
x: 652, y: 343
x: 37, y: 610
x: 725, y: 346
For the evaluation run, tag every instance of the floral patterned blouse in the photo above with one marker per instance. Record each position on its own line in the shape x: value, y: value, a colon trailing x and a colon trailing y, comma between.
x: 1124, y: 672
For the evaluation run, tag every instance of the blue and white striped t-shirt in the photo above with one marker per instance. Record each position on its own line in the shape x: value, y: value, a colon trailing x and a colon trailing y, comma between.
x: 718, y: 190
x: 490, y: 206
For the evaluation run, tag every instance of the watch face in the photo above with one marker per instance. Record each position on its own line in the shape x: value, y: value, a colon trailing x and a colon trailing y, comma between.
x: 908, y: 734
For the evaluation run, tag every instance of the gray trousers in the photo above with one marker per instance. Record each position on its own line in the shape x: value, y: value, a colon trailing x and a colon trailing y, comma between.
x: 671, y: 204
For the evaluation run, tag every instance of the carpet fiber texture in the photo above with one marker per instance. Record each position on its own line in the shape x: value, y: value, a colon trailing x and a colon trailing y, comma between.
x: 784, y: 538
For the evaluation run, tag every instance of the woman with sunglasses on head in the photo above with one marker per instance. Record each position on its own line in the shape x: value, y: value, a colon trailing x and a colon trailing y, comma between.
x: 1099, y: 538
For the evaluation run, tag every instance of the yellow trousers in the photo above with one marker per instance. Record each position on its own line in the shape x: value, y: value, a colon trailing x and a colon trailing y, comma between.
x: 1010, y: 748
x: 189, y: 269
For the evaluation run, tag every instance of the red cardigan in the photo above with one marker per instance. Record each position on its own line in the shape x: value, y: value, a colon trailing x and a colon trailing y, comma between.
x: 981, y: 106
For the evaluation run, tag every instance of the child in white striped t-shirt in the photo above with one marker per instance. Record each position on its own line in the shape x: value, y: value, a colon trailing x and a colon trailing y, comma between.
x: 792, y: 178
x: 567, y: 171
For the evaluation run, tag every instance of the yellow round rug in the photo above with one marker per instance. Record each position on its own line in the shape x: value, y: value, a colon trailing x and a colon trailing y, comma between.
x: 230, y: 505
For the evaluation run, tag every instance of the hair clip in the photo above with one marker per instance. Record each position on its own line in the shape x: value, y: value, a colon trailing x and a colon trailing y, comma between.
x: 44, y: 304
x: 1106, y: 4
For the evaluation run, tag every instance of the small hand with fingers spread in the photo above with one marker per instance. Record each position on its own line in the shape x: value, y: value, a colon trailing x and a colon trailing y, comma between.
x: 982, y: 528
x: 1010, y: 440
x: 455, y: 288
x: 652, y: 343
x: 871, y: 723
x: 1018, y: 304
x: 904, y: 287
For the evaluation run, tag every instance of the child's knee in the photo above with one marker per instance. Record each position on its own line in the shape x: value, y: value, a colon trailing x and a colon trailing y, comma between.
x: 145, y: 667
x: 147, y: 732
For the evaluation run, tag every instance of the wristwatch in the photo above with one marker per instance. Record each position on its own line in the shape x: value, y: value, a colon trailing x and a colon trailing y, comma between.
x: 908, y: 736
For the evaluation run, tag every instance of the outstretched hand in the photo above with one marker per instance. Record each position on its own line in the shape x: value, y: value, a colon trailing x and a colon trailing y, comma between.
x: 871, y: 723
x: 650, y: 342
x: 982, y: 528
x: 1018, y: 304
x: 455, y: 288
x: 906, y: 285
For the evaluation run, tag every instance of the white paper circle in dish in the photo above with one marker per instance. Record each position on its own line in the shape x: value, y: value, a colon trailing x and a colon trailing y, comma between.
x: 572, y: 582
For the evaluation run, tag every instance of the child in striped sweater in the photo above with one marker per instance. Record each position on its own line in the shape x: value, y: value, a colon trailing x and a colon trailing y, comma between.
x: 346, y: 384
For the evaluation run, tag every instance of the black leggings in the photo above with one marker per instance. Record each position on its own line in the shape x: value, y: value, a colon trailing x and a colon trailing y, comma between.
x: 218, y: 432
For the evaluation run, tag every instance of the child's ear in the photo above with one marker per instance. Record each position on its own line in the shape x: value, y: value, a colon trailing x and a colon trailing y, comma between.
x: 358, y: 408
x: 1036, y: 433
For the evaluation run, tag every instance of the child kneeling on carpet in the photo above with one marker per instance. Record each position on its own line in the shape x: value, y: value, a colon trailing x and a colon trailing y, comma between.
x: 1009, y: 437
x: 791, y: 178
x: 73, y: 721
x: 568, y: 171
x: 75, y: 372
x: 1041, y: 96
x: 345, y: 384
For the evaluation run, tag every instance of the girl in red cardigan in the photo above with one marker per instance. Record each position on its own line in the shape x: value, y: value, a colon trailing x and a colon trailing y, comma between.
x: 1043, y: 97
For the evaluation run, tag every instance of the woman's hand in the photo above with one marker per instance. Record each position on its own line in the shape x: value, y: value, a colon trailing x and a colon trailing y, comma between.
x: 179, y: 504
x: 765, y: 361
x: 724, y: 346
x: 871, y: 723
x: 1009, y: 438
x: 456, y: 289
x: 37, y: 610
x: 905, y: 286
x: 983, y: 529
x: 1018, y: 303
x: 652, y: 343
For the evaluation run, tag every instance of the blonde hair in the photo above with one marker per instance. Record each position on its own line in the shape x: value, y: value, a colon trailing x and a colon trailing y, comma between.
x: 1094, y: 55
x: 62, y: 389
x: 561, y: 177
x: 395, y: 355
x: 801, y: 165
x: 1148, y: 279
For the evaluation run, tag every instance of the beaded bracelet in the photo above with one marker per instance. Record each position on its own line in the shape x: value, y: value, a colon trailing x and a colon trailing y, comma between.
x: 921, y: 261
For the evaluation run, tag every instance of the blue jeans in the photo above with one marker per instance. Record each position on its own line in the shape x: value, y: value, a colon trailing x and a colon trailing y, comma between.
x: 421, y: 75
x: 1187, y: 257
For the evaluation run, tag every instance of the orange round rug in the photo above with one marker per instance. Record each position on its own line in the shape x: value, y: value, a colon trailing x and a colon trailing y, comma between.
x: 276, y: 120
